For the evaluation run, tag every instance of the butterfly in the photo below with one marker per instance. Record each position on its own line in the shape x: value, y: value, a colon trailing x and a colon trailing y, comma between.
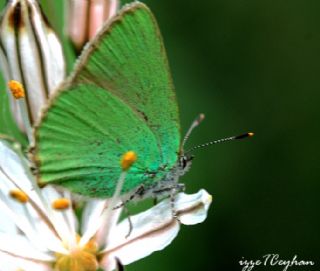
x: 119, y: 98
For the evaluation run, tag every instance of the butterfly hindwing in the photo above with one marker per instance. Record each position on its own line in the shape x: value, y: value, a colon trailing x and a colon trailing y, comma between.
x: 120, y: 98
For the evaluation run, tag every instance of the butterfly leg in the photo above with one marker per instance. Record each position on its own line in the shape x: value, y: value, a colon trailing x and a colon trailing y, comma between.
x: 172, y: 189
x: 173, y: 194
x: 129, y: 220
x: 138, y: 193
x: 178, y: 187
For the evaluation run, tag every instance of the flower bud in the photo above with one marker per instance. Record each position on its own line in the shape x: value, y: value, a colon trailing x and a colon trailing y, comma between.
x: 31, y: 54
x: 85, y: 17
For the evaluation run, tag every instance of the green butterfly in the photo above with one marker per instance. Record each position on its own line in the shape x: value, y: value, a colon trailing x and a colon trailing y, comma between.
x: 120, y: 98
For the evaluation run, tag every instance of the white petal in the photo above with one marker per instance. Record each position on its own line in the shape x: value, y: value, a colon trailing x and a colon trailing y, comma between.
x: 7, y: 37
x: 14, y: 263
x: 7, y: 224
x: 103, y: 234
x: 91, y: 213
x: 153, y: 229
x: 14, y: 173
x: 192, y: 209
x: 31, y: 66
x: 98, y: 222
x: 50, y: 48
x: 60, y: 219
x: 19, y: 246
x: 13, y: 165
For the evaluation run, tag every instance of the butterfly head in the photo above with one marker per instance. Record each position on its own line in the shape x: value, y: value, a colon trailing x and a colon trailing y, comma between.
x: 185, y: 162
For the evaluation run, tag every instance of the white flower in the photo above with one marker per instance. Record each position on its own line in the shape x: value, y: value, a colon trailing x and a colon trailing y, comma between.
x: 40, y: 231
x: 30, y: 53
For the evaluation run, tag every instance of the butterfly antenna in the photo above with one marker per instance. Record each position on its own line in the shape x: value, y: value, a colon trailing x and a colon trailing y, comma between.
x: 242, y: 136
x: 194, y: 124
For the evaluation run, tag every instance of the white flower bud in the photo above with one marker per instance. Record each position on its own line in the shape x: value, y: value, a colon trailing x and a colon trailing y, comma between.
x: 30, y: 53
x: 85, y: 17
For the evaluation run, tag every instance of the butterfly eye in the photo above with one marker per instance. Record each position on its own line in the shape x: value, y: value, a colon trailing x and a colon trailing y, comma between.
x: 185, y: 161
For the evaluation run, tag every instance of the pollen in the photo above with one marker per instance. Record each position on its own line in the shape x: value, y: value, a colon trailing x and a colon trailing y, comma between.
x: 16, y: 89
x: 19, y: 196
x: 128, y: 159
x: 61, y: 204
x: 79, y: 259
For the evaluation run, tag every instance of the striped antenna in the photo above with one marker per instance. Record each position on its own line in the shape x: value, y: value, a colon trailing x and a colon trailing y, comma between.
x: 242, y: 136
x: 194, y: 124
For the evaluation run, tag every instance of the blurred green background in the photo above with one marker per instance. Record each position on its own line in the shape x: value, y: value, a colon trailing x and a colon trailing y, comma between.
x: 249, y: 66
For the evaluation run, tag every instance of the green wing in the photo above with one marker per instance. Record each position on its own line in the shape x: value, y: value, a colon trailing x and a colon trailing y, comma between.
x: 120, y: 98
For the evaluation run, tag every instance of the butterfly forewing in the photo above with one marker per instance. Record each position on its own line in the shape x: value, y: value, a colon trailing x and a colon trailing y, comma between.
x: 120, y: 98
x: 129, y: 59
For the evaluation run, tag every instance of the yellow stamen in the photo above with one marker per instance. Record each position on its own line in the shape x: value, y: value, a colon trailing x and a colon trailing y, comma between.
x: 19, y: 196
x: 16, y: 89
x: 80, y: 258
x: 60, y: 204
x: 250, y: 134
x: 128, y: 159
x: 77, y: 260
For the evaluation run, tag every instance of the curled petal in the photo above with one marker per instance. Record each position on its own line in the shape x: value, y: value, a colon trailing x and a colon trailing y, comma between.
x: 153, y: 229
x: 192, y: 209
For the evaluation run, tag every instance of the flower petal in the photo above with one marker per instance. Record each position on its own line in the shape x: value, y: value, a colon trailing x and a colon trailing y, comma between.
x: 192, y: 209
x: 6, y: 225
x: 14, y: 263
x: 153, y: 229
x: 20, y: 246
x: 95, y: 223
x: 15, y: 174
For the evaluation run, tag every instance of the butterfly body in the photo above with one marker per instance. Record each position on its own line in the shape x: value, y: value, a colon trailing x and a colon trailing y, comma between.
x: 119, y: 98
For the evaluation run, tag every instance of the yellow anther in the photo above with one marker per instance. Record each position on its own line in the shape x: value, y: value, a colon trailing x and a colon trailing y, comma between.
x: 60, y: 204
x: 16, y: 89
x: 19, y: 195
x: 250, y: 134
x: 128, y: 159
x: 80, y: 258
x: 77, y: 260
